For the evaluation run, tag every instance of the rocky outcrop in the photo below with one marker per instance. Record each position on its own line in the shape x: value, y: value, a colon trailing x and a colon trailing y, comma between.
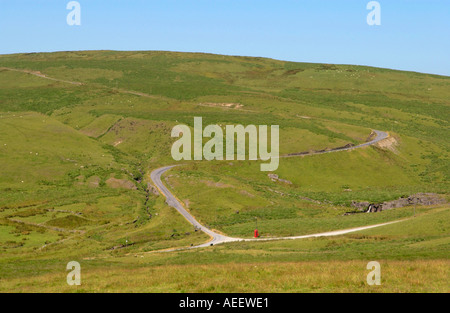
x: 361, y: 206
x: 275, y: 178
x: 374, y: 208
x: 416, y: 199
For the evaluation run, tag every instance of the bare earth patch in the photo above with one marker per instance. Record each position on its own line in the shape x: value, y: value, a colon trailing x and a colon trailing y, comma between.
x: 117, y: 143
x: 389, y: 143
x: 120, y: 183
x: 223, y: 105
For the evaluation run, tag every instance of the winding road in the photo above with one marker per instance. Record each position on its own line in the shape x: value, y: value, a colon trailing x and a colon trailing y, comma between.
x: 217, y: 238
x: 172, y: 201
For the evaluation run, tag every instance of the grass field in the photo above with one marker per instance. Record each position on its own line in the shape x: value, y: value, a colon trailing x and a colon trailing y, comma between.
x: 413, y: 258
x: 75, y: 163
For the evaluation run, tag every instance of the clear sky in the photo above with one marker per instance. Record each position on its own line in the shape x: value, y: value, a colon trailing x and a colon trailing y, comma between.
x: 413, y: 35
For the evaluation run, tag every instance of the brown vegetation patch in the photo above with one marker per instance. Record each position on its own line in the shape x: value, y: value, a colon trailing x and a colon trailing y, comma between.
x: 120, y: 183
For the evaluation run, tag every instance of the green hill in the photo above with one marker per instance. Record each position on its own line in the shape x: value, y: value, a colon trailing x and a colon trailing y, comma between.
x: 81, y: 131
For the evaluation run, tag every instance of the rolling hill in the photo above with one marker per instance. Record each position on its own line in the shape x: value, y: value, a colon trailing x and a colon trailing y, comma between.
x: 81, y: 131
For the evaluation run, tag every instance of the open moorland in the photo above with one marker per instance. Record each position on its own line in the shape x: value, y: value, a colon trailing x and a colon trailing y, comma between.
x: 81, y: 132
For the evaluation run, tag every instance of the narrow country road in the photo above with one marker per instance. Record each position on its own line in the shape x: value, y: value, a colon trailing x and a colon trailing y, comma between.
x: 173, y: 202
x: 217, y: 238
x: 381, y: 135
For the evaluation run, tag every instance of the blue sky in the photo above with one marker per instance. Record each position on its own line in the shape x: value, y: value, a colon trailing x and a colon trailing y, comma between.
x: 413, y: 35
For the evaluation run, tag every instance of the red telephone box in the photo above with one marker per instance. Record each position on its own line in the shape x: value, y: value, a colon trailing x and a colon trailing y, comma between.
x: 256, y: 233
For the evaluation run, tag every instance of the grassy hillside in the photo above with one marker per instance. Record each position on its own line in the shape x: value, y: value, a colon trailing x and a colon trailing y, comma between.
x: 81, y: 131
x: 413, y: 256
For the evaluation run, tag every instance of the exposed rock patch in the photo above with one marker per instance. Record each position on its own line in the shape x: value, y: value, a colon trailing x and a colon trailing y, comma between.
x: 389, y: 143
x: 276, y: 178
x: 361, y: 206
x: 416, y: 199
